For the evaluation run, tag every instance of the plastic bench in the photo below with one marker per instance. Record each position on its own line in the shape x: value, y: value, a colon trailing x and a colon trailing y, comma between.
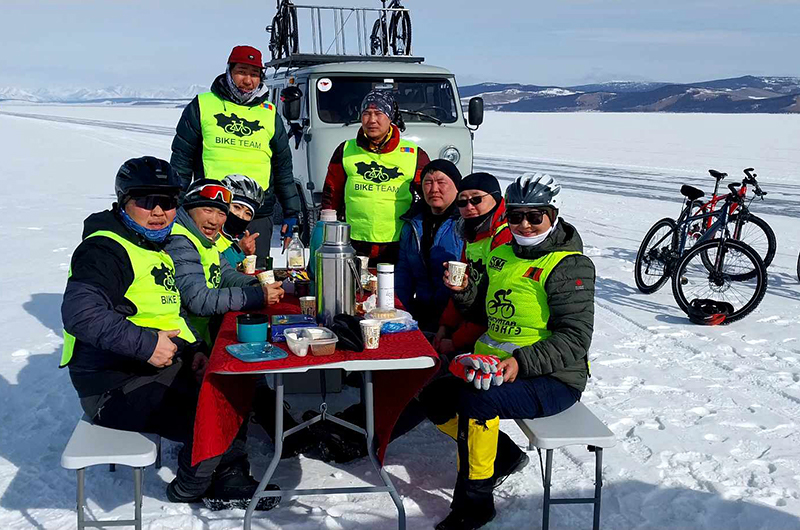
x: 574, y: 426
x: 92, y: 445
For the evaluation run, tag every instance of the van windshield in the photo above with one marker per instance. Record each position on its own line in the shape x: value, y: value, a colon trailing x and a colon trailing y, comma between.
x: 425, y: 99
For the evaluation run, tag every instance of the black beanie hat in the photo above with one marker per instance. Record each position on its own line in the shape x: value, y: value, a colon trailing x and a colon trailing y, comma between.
x: 446, y: 167
x: 481, y: 181
x: 193, y: 199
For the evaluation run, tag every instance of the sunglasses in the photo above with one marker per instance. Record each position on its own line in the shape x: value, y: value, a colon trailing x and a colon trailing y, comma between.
x: 214, y: 192
x: 149, y: 202
x: 462, y: 203
x: 534, y: 217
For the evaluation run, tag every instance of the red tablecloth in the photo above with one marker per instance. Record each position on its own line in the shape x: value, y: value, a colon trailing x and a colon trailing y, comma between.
x: 226, y: 399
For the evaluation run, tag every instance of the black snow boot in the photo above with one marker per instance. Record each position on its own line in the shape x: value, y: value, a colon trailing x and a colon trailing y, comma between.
x: 233, y: 487
x: 336, y: 443
x: 464, y: 520
x: 510, y: 459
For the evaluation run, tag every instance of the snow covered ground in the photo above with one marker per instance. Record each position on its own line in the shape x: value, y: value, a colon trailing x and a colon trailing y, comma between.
x: 705, y: 418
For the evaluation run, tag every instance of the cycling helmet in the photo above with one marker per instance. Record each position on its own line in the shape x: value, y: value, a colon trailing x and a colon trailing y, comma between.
x: 534, y: 189
x: 246, y: 191
x: 146, y: 174
x: 708, y: 312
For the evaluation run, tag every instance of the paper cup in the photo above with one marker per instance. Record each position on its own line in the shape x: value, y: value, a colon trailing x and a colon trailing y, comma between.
x: 266, y: 277
x: 249, y: 264
x: 308, y: 305
x: 371, y: 332
x: 456, y: 269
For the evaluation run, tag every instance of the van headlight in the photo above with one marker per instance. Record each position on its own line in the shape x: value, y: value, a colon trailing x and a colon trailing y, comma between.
x: 450, y: 153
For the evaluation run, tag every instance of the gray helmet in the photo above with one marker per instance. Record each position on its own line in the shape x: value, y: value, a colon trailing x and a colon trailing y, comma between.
x: 245, y: 191
x: 535, y: 190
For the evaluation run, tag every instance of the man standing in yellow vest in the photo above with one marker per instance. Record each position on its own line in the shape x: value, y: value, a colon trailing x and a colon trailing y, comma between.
x: 133, y: 357
x: 234, y: 129
x: 537, y: 297
x: 372, y: 179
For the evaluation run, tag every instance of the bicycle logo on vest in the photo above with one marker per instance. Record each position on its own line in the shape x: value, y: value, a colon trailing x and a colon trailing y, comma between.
x: 165, y: 277
x: 237, y: 126
x: 502, y: 304
x: 376, y: 172
x: 214, y: 276
x: 476, y: 270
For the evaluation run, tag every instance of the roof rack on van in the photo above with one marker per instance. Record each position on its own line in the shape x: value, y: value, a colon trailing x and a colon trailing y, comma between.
x: 330, y: 37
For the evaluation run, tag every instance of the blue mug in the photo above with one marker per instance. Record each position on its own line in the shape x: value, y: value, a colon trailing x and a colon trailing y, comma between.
x: 252, y: 327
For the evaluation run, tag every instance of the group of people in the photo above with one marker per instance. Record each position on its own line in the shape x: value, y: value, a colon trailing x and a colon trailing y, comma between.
x: 153, y: 276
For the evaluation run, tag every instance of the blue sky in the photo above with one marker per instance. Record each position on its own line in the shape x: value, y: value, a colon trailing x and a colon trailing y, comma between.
x: 174, y: 43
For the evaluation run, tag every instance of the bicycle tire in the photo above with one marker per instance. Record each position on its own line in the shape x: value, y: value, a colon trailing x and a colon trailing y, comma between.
x: 400, y: 33
x: 692, y: 279
x: 756, y: 233
x: 798, y: 267
x: 275, y: 38
x: 378, y: 44
x: 647, y: 256
x: 291, y: 41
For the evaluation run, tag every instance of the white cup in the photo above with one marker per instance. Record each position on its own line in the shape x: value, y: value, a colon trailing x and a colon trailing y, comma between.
x: 266, y: 277
x: 249, y: 264
x: 371, y: 331
x: 456, y: 270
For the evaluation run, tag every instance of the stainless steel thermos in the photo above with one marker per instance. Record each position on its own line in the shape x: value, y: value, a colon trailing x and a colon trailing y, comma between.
x: 336, y: 274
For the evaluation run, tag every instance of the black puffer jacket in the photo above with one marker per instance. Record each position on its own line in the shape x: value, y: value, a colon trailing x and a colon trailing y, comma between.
x: 570, y: 297
x: 187, y: 154
x: 110, y: 350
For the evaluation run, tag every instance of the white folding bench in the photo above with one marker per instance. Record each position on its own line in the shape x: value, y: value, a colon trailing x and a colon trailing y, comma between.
x: 574, y: 426
x: 92, y: 445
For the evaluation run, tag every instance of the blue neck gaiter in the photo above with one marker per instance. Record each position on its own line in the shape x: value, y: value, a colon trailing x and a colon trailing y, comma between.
x: 156, y: 236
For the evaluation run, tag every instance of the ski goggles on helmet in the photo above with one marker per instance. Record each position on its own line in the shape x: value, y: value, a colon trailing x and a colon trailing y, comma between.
x: 214, y: 192
x: 149, y: 202
x: 534, y: 217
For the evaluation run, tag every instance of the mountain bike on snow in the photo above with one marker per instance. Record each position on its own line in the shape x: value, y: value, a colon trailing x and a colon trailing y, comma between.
x: 394, y: 32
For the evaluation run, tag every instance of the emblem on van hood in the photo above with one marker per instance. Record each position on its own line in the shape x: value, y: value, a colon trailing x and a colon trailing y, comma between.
x: 376, y: 172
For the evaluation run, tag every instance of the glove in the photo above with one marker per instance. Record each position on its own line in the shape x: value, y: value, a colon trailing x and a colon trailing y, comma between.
x: 480, y: 370
x: 290, y: 223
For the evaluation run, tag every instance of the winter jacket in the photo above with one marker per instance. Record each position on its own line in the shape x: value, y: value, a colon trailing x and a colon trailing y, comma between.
x: 110, y: 351
x: 570, y: 297
x: 418, y: 277
x: 464, y: 330
x: 187, y: 154
x: 237, y: 291
x: 335, y: 180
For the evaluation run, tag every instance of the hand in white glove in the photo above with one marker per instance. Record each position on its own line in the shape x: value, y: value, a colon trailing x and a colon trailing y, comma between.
x: 480, y: 370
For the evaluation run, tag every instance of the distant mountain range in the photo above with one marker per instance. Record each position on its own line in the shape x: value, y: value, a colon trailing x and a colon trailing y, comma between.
x: 738, y: 95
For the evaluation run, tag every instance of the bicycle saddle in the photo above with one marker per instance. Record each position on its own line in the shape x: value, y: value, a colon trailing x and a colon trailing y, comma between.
x: 719, y: 175
x: 690, y: 192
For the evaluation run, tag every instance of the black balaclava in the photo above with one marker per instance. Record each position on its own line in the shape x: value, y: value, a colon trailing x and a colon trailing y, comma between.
x: 483, y: 182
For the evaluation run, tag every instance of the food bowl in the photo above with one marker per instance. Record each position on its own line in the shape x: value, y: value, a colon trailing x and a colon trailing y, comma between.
x: 322, y: 341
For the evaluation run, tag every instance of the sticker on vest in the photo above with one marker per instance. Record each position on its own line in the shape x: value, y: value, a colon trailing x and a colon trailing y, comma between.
x: 214, y: 276
x: 377, y: 173
x: 476, y: 270
x: 499, y: 311
x: 237, y: 126
x: 534, y: 273
x: 497, y: 263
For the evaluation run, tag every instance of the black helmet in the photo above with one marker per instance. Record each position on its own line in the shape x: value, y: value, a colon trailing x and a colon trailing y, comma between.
x: 708, y: 312
x: 245, y: 190
x: 146, y: 174
x: 538, y: 190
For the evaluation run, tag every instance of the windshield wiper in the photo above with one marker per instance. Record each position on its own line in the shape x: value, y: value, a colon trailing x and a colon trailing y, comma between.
x: 437, y: 121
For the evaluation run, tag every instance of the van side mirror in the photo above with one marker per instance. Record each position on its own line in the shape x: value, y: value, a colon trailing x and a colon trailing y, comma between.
x: 292, y: 99
x: 475, y: 116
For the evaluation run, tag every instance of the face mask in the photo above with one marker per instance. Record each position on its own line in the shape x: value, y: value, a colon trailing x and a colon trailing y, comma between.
x: 234, y: 227
x: 535, y: 240
x: 156, y: 236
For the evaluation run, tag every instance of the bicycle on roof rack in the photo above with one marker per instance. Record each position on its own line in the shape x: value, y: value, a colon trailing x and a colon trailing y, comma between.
x: 394, y: 32
x: 721, y: 268
x: 283, y: 40
x: 742, y: 224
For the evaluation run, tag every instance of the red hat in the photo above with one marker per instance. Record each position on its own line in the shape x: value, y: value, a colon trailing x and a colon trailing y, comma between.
x: 245, y: 55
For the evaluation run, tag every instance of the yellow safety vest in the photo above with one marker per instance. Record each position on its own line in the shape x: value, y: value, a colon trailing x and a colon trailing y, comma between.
x: 475, y: 254
x: 236, y: 138
x: 152, y: 292
x: 378, y: 190
x: 516, y: 301
x: 209, y: 258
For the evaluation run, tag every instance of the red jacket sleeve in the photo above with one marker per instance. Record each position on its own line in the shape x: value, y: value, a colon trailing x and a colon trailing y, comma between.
x: 333, y: 190
x: 466, y: 335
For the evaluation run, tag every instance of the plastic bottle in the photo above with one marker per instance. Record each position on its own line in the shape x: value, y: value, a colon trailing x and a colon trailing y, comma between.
x: 326, y: 216
x: 295, y: 254
x: 385, y: 286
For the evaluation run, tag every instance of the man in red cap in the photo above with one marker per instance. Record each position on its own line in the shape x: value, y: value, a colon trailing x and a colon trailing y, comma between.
x: 233, y: 129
